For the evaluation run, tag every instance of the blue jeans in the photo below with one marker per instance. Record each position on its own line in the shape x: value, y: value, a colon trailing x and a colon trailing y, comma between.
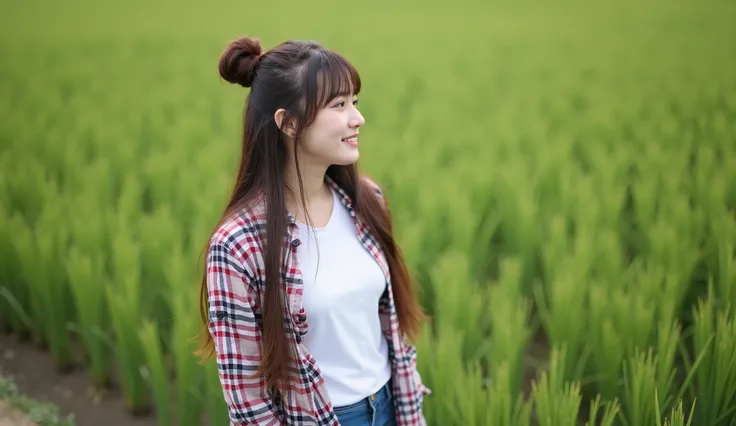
x: 375, y: 410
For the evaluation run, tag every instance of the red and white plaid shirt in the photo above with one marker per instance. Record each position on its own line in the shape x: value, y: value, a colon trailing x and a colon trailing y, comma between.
x: 236, y: 286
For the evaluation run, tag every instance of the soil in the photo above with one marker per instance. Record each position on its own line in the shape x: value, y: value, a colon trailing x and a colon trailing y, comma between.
x: 36, y: 376
x: 12, y: 417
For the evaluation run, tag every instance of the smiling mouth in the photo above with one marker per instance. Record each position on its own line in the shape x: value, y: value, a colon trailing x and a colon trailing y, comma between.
x: 351, y: 140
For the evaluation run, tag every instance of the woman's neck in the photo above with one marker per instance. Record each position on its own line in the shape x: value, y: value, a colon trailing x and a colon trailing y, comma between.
x: 317, y: 194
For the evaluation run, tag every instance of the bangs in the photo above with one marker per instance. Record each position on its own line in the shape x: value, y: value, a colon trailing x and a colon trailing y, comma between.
x: 335, y: 77
x: 327, y: 76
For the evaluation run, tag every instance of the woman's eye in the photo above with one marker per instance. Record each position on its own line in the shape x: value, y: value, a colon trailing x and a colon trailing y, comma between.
x: 342, y: 103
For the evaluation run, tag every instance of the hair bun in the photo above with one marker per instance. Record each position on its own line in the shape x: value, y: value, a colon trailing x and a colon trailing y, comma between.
x: 239, y: 61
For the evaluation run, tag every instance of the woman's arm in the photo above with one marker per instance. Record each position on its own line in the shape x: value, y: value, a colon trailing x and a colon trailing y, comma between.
x: 237, y: 338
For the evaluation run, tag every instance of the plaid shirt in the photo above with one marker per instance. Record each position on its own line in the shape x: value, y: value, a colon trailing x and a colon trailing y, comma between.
x: 236, y: 285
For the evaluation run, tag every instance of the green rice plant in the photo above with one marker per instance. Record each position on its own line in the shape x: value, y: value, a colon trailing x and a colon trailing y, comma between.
x: 730, y: 192
x: 185, y: 204
x: 553, y: 179
x: 648, y: 388
x: 434, y: 212
x: 714, y: 382
x: 454, y: 307
x: 158, y: 171
x: 603, y: 413
x: 502, y: 407
x: 425, y: 342
x: 94, y: 183
x: 128, y: 350
x: 440, y: 371
x: 723, y: 232
x: 634, y: 317
x: 639, y: 386
x: 677, y: 415
x: 156, y: 372
x: 7, y: 313
x: 645, y: 212
x: 668, y: 337
x: 496, y: 404
x: 189, y: 395
x: 25, y: 189
x: 556, y: 400
x: 652, y: 278
x: 650, y: 325
x: 672, y: 305
x: 710, y: 187
x: 557, y: 247
x: 460, y: 219
x: 158, y: 232
x: 510, y: 313
x: 519, y: 218
x: 129, y: 202
x: 40, y: 253
x: 88, y: 282
x: 605, y: 344
x: 91, y: 219
x: 469, y: 405
x: 561, y: 305
x: 123, y: 301
x: 688, y: 223
x: 482, y: 257
x: 14, y: 303
x: 607, y: 263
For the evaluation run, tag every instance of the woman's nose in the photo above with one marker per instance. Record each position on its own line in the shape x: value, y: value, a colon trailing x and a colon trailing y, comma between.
x: 357, y: 120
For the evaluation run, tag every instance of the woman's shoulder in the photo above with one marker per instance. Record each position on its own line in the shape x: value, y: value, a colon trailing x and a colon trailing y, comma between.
x: 242, y: 230
x: 373, y: 184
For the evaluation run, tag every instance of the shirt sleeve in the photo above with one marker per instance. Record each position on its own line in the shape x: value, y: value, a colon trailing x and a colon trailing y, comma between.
x: 237, y: 339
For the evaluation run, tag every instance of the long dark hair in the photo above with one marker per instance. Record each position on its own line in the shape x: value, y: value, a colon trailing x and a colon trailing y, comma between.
x: 301, y: 77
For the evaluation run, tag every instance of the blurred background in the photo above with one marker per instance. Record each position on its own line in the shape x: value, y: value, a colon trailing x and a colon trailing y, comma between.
x: 562, y: 177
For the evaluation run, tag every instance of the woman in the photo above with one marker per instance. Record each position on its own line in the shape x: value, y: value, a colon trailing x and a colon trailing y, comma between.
x: 333, y: 267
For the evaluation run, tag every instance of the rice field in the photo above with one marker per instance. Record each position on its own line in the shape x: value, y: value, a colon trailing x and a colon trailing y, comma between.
x: 562, y: 179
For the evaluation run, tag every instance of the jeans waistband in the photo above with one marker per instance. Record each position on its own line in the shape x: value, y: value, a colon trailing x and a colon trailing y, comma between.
x: 382, y: 394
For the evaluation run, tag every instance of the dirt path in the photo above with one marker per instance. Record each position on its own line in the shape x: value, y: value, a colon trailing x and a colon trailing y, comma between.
x: 33, y: 371
x: 11, y: 417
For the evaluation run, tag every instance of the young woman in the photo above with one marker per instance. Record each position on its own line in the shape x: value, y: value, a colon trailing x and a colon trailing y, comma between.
x: 306, y: 300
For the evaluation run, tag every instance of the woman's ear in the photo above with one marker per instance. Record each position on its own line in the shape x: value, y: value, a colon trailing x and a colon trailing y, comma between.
x: 287, y: 127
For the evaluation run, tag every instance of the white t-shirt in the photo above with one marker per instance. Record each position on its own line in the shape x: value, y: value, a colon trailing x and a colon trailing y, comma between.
x: 342, y: 286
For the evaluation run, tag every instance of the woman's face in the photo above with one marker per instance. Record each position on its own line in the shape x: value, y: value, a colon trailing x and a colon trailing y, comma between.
x: 333, y: 136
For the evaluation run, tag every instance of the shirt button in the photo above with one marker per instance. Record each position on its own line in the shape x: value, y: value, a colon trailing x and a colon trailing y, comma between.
x: 295, y: 242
